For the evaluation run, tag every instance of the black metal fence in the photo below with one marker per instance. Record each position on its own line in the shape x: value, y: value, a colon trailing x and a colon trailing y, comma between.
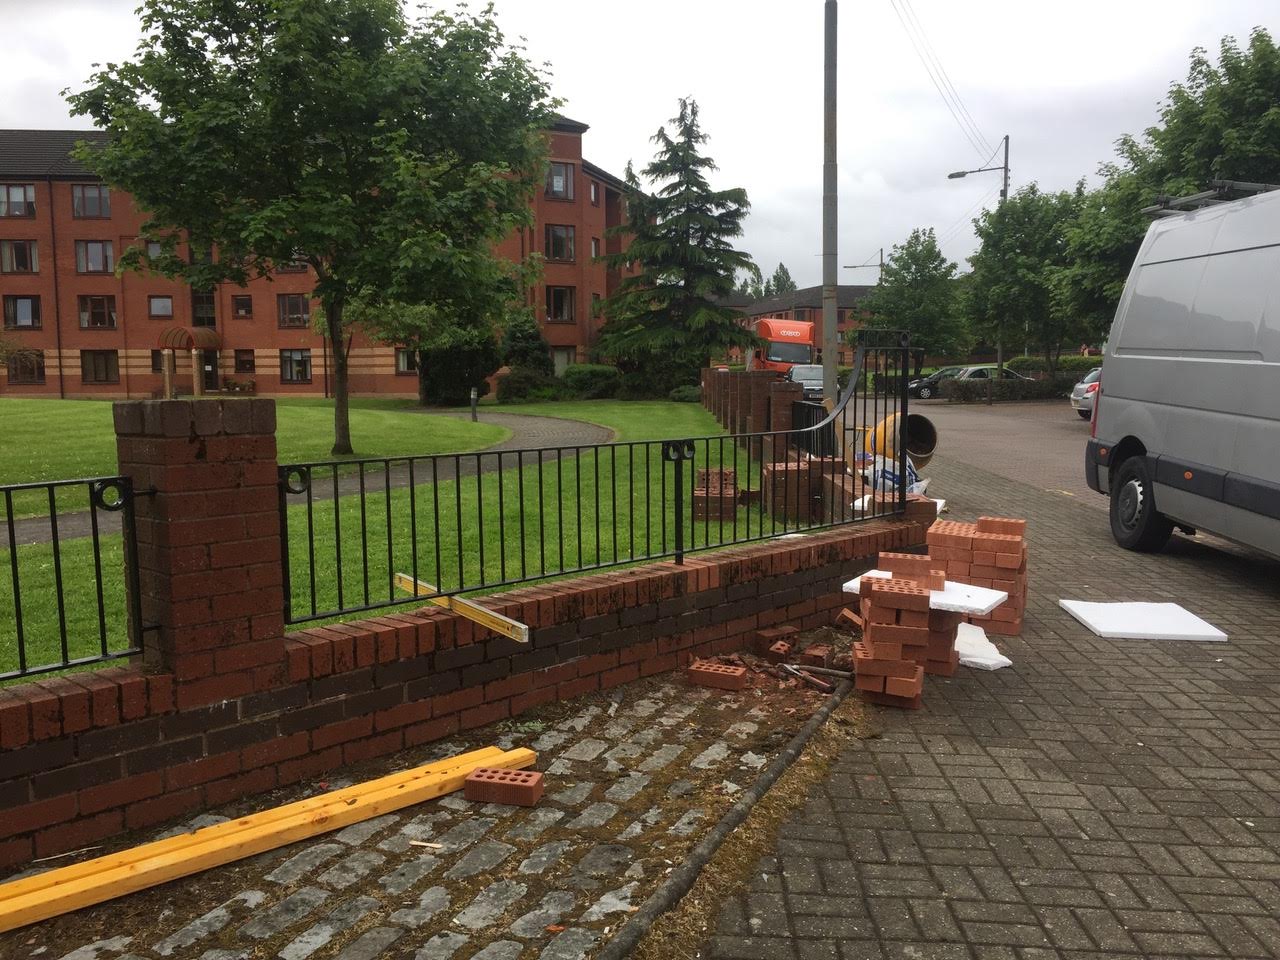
x: 69, y: 590
x: 363, y: 535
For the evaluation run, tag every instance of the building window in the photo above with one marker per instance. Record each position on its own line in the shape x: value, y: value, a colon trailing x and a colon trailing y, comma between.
x: 18, y: 256
x: 595, y: 247
x: 293, y: 309
x: 90, y: 200
x: 406, y: 360
x: 204, y: 308
x: 245, y: 362
x: 562, y: 358
x: 292, y: 266
x: 99, y: 366
x: 17, y: 200
x: 242, y: 306
x: 157, y: 361
x: 154, y: 250
x: 560, y: 304
x: 97, y: 313
x: 21, y: 313
x: 560, y: 181
x: 27, y: 366
x: 595, y: 194
x: 559, y: 242
x: 94, y: 256
x: 295, y: 366
x: 160, y: 308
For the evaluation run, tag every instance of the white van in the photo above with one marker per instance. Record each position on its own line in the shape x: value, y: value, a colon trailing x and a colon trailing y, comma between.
x: 1186, y: 427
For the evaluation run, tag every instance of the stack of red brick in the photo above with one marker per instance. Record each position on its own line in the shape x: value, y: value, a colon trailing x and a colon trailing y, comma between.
x: 902, y: 638
x: 715, y: 497
x: 990, y: 553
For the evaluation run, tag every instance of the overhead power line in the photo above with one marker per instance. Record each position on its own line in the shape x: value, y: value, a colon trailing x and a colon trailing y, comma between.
x: 952, y: 231
x: 970, y: 130
x: 942, y: 72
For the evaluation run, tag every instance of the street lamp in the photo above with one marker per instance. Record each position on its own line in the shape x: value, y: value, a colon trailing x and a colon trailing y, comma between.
x: 1004, y: 167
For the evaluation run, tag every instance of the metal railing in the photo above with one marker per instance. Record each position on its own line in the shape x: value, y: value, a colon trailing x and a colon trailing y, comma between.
x: 354, y: 531
x: 56, y: 537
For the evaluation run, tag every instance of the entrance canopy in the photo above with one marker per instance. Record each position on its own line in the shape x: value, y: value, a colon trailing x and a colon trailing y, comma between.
x: 190, y: 338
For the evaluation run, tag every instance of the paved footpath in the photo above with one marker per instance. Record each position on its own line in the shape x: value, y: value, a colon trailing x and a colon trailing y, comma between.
x: 1100, y: 798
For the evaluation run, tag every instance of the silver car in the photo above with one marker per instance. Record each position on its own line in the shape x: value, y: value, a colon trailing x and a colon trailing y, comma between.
x: 809, y: 376
x: 1082, y: 393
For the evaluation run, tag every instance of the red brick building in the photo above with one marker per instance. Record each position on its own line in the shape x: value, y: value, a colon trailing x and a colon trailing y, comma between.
x: 88, y: 332
x: 806, y: 304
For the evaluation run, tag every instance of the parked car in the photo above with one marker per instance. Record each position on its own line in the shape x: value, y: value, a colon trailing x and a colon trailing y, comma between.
x: 809, y: 376
x: 922, y: 388
x: 1186, y: 426
x: 1082, y: 393
x: 988, y: 372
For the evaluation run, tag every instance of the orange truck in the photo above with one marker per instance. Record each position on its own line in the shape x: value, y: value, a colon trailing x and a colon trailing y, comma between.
x: 786, y: 343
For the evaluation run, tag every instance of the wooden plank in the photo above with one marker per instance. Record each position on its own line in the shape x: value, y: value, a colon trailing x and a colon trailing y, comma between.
x: 335, y: 799
x: 512, y: 629
x: 71, y: 888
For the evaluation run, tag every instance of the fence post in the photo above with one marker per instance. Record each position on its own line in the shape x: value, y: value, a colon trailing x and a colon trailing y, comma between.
x: 206, y: 511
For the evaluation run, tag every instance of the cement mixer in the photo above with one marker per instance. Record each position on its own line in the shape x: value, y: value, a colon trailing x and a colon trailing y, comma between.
x: 922, y: 439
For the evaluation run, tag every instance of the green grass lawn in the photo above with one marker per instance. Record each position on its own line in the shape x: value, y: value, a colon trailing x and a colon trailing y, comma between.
x: 61, y: 439
x: 611, y: 505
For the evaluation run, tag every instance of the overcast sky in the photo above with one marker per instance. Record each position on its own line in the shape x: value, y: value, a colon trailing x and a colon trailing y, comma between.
x: 1064, y: 80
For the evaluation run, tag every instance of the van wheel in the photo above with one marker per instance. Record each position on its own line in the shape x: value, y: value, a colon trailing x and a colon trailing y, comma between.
x: 1085, y: 414
x: 925, y: 393
x: 1135, y: 522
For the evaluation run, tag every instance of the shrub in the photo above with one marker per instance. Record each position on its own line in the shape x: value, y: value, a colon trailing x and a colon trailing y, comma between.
x: 456, y: 364
x: 975, y: 391
x: 686, y: 395
x: 524, y: 346
x: 523, y: 385
x: 1069, y: 364
x: 591, y: 381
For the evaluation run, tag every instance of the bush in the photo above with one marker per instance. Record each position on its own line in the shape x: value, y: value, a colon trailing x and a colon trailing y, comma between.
x: 975, y: 391
x: 591, y: 381
x: 524, y: 385
x: 1069, y: 364
x: 458, y: 363
x: 685, y: 395
x: 524, y: 346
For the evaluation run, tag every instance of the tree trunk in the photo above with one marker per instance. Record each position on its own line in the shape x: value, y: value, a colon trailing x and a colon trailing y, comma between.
x: 422, y: 379
x: 341, y: 388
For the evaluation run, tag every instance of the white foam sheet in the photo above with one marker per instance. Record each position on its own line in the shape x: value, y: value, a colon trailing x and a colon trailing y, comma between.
x: 953, y: 597
x: 1142, y: 621
x: 977, y: 651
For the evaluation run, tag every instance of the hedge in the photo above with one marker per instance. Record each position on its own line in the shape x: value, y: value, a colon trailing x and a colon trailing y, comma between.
x: 524, y: 384
x: 1070, y: 364
x: 592, y: 381
x: 975, y: 391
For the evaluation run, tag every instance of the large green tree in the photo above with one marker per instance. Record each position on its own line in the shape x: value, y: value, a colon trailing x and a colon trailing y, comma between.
x: 389, y: 156
x: 1223, y: 122
x: 667, y: 320
x: 1010, y: 296
x: 781, y: 281
x: 917, y: 293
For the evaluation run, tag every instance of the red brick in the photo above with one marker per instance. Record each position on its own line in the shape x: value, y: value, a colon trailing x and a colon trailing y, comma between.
x: 905, y: 686
x: 457, y: 701
x: 118, y: 793
x: 869, y: 682
x: 485, y: 714
x: 274, y: 750
x: 213, y: 689
x: 46, y: 712
x: 160, y: 693
x: 310, y: 765
x: 521, y: 788
x: 887, y: 700
x: 436, y: 729
x: 899, y: 594
x: 133, y: 696
x: 77, y: 834
x: 298, y: 659
x: 15, y: 721
x: 33, y: 816
x: 202, y: 771
x: 914, y: 618
x: 717, y: 675
x: 659, y: 664
x: 619, y: 676
x: 372, y: 747
x: 341, y: 732
x: 402, y: 715
x: 15, y: 852
x: 233, y: 788
x: 534, y: 698
x: 576, y: 688
x: 818, y: 655
x: 778, y: 652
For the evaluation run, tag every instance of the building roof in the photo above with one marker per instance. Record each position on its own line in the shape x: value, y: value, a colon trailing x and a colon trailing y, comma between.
x: 617, y: 183
x: 848, y: 296
x: 565, y: 125
x: 44, y: 153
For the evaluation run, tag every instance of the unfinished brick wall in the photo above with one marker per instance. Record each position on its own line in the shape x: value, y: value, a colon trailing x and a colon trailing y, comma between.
x: 228, y: 705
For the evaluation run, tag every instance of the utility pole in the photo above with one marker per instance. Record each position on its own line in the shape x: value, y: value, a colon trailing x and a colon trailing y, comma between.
x: 830, y: 351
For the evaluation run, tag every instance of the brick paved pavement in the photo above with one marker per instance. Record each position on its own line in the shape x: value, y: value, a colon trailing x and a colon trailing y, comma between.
x: 1098, y: 799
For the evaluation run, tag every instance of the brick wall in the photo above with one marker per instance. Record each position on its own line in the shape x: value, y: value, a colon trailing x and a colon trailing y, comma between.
x: 228, y: 705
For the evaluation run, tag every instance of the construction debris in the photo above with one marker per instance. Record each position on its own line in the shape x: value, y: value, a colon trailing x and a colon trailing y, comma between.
x: 518, y: 788
x: 975, y: 650
x: 721, y: 676
x: 1142, y: 621
x: 991, y: 553
x: 59, y: 891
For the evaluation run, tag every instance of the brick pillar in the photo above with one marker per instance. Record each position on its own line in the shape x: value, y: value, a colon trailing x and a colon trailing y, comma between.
x: 208, y: 542
x: 758, y: 400
x: 782, y: 394
x: 722, y: 397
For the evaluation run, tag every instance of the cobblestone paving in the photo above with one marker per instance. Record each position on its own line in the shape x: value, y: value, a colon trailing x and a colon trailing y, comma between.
x: 1098, y: 799
x: 633, y: 777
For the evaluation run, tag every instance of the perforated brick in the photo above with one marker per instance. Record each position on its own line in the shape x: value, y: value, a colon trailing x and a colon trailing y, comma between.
x: 521, y: 788
x: 718, y: 675
x: 778, y: 652
x: 899, y: 594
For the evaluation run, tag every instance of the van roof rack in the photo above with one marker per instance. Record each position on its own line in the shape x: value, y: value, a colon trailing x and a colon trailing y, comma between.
x: 1221, y: 191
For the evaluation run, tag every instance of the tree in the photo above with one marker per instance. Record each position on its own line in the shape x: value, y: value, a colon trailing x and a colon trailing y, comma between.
x: 666, y: 320
x: 781, y: 280
x: 917, y: 293
x: 523, y: 344
x: 1011, y: 293
x: 389, y: 157
x: 1223, y: 122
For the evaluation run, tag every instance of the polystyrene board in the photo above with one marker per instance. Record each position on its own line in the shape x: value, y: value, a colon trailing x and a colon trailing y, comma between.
x: 952, y: 598
x: 976, y: 650
x: 1142, y: 621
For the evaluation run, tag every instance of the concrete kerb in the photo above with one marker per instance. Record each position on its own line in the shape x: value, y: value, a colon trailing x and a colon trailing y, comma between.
x: 682, y: 878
